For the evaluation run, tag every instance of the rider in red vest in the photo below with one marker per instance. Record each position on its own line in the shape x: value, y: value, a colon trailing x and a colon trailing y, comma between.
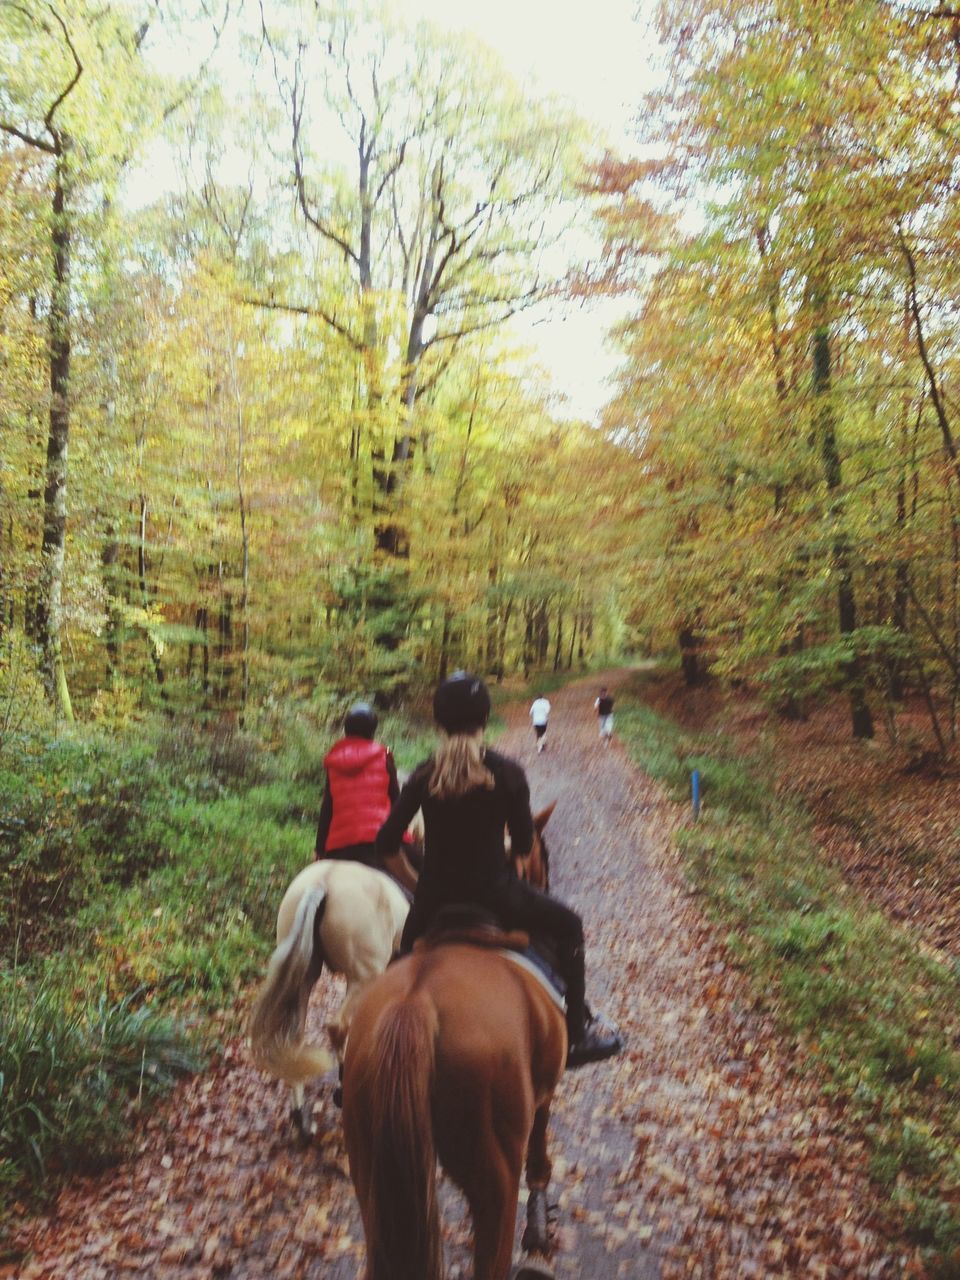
x: 360, y: 789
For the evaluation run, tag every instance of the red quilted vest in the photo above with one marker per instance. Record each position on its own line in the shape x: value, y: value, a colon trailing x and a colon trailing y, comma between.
x: 359, y: 787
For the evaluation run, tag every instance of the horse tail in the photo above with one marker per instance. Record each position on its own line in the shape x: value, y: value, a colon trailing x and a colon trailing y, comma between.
x: 279, y: 1013
x: 403, y: 1220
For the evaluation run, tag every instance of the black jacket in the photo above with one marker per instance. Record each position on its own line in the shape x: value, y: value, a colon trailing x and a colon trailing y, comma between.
x: 464, y: 855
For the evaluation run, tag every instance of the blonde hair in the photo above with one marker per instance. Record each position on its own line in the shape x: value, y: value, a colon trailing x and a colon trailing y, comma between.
x: 458, y: 766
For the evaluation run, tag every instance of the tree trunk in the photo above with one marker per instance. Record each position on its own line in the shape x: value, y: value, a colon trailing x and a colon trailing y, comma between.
x: 573, y: 640
x: 542, y: 633
x: 109, y: 558
x: 691, y: 662
x: 391, y: 537
x: 49, y: 618
x: 6, y: 551
x: 502, y: 642
x: 493, y: 620
x: 152, y: 645
x: 444, y: 644
x: 224, y: 644
x: 955, y: 612
x: 790, y: 708
x: 861, y: 719
x: 244, y: 559
x: 900, y: 594
x: 202, y: 626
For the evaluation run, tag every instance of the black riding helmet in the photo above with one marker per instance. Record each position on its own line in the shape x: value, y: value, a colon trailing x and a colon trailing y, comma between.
x: 361, y: 721
x: 461, y: 703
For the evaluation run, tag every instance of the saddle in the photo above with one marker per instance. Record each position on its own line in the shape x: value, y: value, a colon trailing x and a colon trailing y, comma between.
x: 471, y: 925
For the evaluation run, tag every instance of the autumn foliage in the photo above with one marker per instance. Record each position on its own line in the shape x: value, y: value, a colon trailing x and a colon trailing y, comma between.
x: 786, y: 391
x: 262, y: 430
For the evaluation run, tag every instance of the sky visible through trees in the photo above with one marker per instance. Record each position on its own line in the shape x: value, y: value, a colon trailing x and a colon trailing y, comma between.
x: 603, y: 65
x: 343, y: 345
x: 306, y: 319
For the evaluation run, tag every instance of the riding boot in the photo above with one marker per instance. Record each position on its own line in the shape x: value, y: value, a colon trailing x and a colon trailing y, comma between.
x: 575, y: 977
x: 590, y: 1038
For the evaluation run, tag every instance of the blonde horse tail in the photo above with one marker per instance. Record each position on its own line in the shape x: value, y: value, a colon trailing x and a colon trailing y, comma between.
x: 279, y: 1014
x: 403, y: 1220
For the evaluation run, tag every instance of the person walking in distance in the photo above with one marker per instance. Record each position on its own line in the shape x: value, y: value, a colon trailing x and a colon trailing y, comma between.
x: 604, y: 709
x: 539, y: 715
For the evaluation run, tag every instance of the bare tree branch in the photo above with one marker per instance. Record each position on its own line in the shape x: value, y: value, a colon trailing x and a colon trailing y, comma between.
x: 442, y: 365
x: 54, y: 147
x: 404, y: 251
x: 317, y: 313
x: 314, y: 220
x: 78, y: 72
x: 512, y: 307
x: 392, y: 170
x: 174, y: 106
x: 40, y: 143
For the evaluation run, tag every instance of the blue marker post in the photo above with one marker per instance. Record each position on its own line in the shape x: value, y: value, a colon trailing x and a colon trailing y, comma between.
x: 695, y: 788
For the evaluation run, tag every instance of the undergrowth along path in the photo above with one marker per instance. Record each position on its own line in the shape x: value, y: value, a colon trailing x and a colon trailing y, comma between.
x: 702, y: 1151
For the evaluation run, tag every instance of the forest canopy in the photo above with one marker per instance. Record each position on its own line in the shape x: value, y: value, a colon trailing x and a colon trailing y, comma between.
x: 264, y: 425
x: 788, y: 387
x: 262, y: 422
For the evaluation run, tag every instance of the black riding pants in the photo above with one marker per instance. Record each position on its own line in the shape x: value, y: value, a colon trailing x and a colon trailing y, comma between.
x: 517, y: 905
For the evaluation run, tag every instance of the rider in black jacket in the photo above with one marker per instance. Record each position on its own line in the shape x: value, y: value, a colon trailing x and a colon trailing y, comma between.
x: 469, y: 794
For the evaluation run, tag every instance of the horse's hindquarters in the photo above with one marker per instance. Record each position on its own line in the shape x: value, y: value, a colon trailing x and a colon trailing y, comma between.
x: 488, y: 1045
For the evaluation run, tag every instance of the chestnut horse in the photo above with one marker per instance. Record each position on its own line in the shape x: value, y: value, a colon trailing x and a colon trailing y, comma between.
x: 535, y: 868
x: 454, y: 1054
x: 348, y: 917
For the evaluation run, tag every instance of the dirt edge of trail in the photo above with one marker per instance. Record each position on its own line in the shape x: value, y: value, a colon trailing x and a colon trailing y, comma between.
x: 885, y: 812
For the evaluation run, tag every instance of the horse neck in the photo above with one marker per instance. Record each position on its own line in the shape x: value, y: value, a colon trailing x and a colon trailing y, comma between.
x: 537, y: 862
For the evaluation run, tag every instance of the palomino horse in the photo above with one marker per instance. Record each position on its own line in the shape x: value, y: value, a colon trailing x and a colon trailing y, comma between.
x: 454, y: 1054
x: 348, y: 917
x: 342, y: 914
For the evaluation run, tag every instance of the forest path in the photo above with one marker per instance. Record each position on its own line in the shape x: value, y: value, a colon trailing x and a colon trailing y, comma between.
x: 698, y: 1152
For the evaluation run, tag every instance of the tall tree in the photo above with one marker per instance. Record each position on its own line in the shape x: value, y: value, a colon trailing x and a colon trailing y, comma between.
x: 437, y: 226
x: 78, y: 94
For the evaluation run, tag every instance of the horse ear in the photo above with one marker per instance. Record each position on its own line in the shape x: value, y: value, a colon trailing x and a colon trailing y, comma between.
x: 541, y: 819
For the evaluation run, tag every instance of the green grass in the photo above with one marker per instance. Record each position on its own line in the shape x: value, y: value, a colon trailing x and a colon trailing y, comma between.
x: 70, y: 1074
x: 410, y: 741
x: 140, y: 874
x: 875, y: 1015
